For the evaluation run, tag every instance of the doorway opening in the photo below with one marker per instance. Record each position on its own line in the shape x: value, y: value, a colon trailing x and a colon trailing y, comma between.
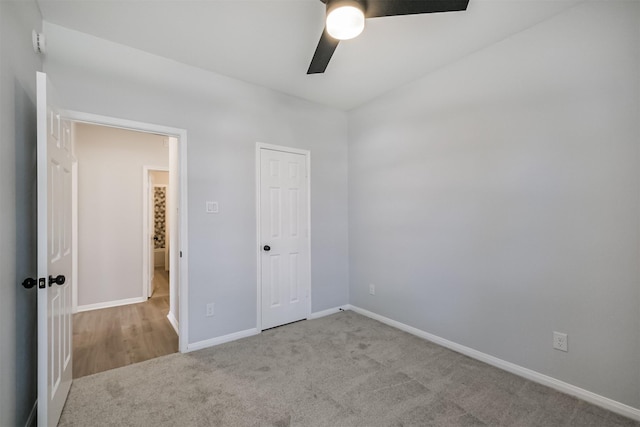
x: 130, y: 232
x: 156, y: 221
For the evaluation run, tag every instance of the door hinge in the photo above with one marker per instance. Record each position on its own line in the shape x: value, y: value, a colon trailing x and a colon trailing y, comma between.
x: 180, y: 254
x: 42, y: 283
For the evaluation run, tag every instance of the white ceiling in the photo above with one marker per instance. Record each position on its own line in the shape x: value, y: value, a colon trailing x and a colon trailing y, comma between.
x: 271, y: 42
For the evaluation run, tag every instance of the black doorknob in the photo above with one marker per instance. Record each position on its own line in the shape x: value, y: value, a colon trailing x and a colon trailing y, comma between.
x: 267, y: 248
x: 29, y: 282
x: 58, y: 280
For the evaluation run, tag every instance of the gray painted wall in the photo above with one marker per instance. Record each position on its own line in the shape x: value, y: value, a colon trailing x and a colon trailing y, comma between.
x: 497, y: 200
x: 18, y: 66
x: 224, y: 119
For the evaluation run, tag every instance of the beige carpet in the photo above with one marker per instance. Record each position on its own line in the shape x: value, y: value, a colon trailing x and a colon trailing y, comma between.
x: 341, y: 370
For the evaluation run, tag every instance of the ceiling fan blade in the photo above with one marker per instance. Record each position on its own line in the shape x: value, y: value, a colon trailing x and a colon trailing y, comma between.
x: 378, y: 8
x: 326, y: 46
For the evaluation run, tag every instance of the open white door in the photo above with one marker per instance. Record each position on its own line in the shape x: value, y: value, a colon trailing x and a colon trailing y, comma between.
x: 54, y: 256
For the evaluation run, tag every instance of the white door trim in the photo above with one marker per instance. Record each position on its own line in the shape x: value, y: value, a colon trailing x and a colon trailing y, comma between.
x: 145, y: 225
x: 307, y: 155
x: 181, y: 261
x: 74, y: 229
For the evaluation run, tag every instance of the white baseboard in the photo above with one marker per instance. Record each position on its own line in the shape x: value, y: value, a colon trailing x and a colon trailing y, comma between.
x: 328, y: 312
x: 249, y: 332
x: 31, y: 421
x: 174, y: 322
x: 221, y: 340
x: 580, y: 393
x: 108, y: 304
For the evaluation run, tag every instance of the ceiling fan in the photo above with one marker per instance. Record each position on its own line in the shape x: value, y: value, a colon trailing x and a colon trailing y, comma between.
x: 345, y: 20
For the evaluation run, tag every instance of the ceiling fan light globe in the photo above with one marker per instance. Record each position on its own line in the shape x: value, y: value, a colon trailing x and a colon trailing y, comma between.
x: 345, y: 22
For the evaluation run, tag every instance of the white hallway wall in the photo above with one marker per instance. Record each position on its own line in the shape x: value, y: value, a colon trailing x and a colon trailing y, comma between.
x: 224, y: 119
x: 161, y: 178
x: 497, y: 200
x: 110, y: 178
x: 18, y: 327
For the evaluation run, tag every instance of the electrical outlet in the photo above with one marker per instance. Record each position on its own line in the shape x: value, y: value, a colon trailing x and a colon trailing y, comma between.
x: 210, y: 309
x: 560, y: 341
x: 372, y: 289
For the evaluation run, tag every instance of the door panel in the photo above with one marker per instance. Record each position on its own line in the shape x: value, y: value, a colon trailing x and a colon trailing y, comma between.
x: 284, y: 223
x: 55, y: 161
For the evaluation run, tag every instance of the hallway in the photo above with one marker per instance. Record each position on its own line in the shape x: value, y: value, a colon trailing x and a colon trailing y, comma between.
x: 118, y: 336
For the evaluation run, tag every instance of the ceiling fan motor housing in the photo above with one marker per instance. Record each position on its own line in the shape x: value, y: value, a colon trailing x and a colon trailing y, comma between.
x: 332, y: 4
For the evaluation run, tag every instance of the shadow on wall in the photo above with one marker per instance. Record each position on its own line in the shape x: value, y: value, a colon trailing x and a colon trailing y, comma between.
x: 26, y: 252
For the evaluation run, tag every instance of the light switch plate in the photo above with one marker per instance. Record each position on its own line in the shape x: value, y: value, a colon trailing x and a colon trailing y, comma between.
x: 212, y: 207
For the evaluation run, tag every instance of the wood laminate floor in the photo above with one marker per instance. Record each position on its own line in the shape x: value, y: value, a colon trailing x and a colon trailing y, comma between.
x: 113, y: 337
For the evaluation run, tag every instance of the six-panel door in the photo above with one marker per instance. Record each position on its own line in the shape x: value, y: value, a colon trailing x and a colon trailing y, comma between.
x: 284, y: 220
x: 54, y: 256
